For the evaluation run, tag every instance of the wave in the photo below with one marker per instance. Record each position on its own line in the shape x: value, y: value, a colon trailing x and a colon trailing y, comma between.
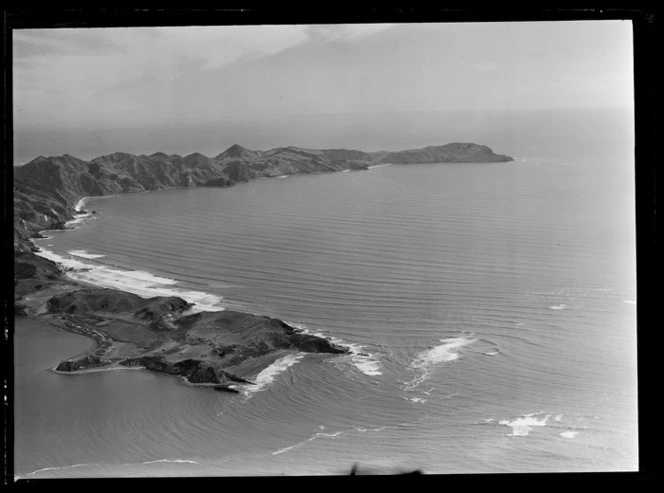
x: 60, y: 468
x: 366, y: 362
x: 84, y: 254
x: 169, y: 461
x: 379, y: 165
x: 137, y: 282
x: 78, y: 221
x: 80, y: 204
x: 523, y: 425
x: 631, y: 302
x: 569, y: 434
x: 265, y: 377
x: 558, y: 307
x: 321, y: 434
x: 315, y: 436
x: 425, y: 362
x: 53, y: 469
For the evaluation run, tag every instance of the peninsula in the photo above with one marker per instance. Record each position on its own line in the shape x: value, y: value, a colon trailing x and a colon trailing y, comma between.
x: 162, y: 334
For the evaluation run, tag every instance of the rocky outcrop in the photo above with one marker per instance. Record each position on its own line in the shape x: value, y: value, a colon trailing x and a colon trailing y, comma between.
x: 155, y: 334
x: 86, y: 363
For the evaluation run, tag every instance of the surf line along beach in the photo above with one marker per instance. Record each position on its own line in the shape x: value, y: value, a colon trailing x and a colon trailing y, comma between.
x: 169, y: 334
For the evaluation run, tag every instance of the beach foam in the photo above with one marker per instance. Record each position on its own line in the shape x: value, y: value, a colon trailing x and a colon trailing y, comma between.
x: 569, y: 434
x: 265, y: 377
x: 79, y: 205
x: 84, y: 254
x: 366, y: 362
x: 78, y: 221
x: 140, y: 283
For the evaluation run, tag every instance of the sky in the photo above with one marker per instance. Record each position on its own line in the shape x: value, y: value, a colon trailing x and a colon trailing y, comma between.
x: 207, y: 74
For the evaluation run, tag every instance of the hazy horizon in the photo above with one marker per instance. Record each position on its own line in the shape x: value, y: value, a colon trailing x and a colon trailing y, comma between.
x: 151, y: 79
x: 594, y: 132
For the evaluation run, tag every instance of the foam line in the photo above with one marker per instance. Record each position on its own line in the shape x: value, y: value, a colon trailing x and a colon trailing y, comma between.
x: 311, y: 438
x: 366, y: 362
x: 523, y: 425
x: 137, y: 282
x: 80, y: 204
x: 171, y: 461
x: 84, y: 254
x: 427, y: 360
x: 58, y: 468
x: 267, y: 376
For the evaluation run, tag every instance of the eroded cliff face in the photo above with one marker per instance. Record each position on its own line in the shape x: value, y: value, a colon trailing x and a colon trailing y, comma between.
x: 47, y: 188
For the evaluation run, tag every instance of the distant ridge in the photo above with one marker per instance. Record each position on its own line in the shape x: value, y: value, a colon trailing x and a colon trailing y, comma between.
x: 47, y: 188
x: 238, y: 152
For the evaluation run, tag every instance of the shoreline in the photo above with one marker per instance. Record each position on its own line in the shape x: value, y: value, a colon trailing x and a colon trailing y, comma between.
x: 361, y: 359
x: 75, y: 267
x: 111, y: 367
x: 97, y: 326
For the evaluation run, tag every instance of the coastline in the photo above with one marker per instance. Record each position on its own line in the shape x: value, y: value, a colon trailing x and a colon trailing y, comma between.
x: 362, y: 360
x: 160, y: 340
x: 108, y: 353
x: 112, y: 367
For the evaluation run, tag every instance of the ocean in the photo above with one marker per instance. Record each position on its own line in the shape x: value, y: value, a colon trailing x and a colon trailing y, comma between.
x: 490, y: 310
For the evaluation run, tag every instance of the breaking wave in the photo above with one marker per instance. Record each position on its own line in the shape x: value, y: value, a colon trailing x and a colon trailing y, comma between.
x: 267, y: 376
x: 137, y: 282
x: 367, y: 363
x: 523, y: 425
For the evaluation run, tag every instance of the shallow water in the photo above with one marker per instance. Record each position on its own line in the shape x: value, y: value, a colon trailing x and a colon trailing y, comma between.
x: 490, y: 308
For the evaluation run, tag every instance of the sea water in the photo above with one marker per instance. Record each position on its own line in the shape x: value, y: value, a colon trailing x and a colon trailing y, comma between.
x: 490, y: 309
